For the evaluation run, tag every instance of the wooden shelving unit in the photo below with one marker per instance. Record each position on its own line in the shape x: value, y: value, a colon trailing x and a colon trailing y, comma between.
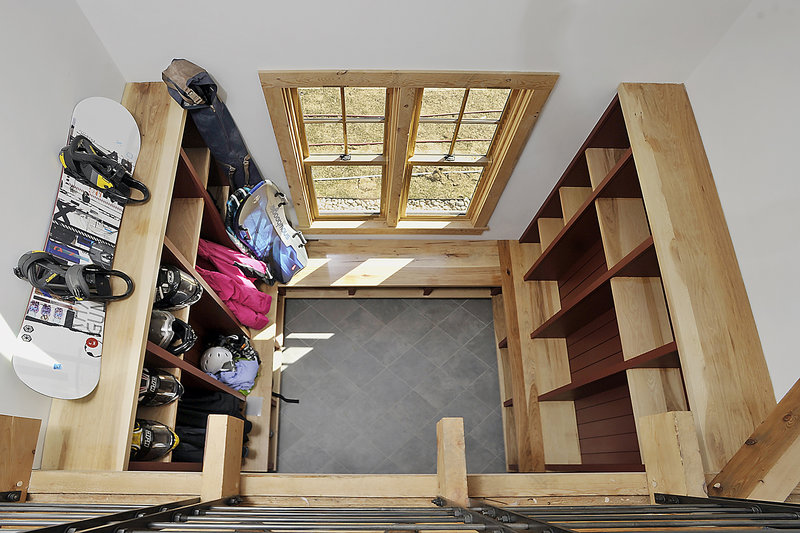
x: 596, y: 248
x: 192, y: 215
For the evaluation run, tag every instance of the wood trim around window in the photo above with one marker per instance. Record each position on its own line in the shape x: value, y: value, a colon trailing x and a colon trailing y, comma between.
x: 529, y: 92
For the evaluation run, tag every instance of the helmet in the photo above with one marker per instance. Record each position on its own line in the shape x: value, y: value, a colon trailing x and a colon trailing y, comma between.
x: 151, y: 440
x: 239, y: 345
x: 172, y: 334
x: 217, y: 358
x: 175, y: 289
x: 158, y: 387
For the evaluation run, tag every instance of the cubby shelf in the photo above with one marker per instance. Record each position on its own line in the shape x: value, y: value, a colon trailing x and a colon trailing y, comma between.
x: 210, y: 309
x: 582, y: 229
x: 614, y: 374
x: 596, y: 297
x: 190, y: 374
x: 151, y: 466
x: 189, y: 185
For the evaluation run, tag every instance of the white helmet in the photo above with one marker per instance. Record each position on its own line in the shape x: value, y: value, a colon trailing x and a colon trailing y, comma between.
x: 217, y: 358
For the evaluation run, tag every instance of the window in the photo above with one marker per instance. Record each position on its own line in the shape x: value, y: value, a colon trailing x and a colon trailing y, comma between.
x: 405, y: 152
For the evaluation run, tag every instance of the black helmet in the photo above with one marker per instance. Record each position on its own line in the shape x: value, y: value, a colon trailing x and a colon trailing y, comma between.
x: 175, y: 289
x: 151, y: 440
x: 158, y: 387
x: 172, y: 334
x: 239, y: 345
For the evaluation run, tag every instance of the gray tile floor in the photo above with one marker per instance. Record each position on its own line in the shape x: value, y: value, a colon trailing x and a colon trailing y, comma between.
x: 374, y: 375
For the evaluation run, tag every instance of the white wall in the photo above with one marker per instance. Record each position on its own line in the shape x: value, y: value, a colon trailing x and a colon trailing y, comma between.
x: 50, y: 60
x: 746, y: 97
x: 594, y: 45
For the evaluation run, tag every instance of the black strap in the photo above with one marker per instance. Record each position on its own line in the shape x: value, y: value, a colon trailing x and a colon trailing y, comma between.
x: 284, y: 398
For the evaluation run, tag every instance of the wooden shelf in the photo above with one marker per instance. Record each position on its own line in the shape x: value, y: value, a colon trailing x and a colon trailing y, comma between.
x: 596, y: 297
x: 614, y: 375
x: 596, y: 467
x: 210, y: 310
x: 190, y: 374
x: 609, y: 132
x: 503, y: 343
x: 582, y: 229
x: 188, y: 184
x: 150, y: 466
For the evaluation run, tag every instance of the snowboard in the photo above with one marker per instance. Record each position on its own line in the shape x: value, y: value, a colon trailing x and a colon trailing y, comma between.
x: 60, y: 344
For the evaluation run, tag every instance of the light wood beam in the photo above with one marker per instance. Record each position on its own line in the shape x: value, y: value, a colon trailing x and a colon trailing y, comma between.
x: 451, y: 461
x: 222, y: 458
x: 399, y: 128
x: 766, y: 466
x: 727, y: 382
x: 18, y: 438
x: 671, y: 454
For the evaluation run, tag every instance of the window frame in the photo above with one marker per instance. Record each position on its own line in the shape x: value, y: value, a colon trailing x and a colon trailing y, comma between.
x: 404, y: 90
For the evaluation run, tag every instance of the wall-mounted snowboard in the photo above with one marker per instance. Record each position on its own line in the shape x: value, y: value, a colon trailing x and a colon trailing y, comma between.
x: 59, y: 346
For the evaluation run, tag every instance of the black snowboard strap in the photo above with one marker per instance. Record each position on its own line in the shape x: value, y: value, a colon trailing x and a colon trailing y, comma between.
x: 87, y: 163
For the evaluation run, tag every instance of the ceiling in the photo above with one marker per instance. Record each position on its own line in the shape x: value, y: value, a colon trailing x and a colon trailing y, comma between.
x: 593, y: 45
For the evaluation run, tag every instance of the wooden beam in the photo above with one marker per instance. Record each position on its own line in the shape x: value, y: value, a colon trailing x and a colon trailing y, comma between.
x: 357, y: 263
x: 557, y: 484
x: 765, y: 467
x: 18, y: 438
x: 515, y: 258
x: 399, y: 292
x: 727, y: 382
x: 279, y: 102
x: 399, y: 127
x: 451, y: 461
x: 222, y: 458
x: 111, y: 482
x: 377, y: 226
x: 406, y: 78
x: 671, y: 454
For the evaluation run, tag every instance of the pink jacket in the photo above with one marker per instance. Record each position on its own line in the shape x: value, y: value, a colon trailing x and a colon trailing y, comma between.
x: 246, y: 302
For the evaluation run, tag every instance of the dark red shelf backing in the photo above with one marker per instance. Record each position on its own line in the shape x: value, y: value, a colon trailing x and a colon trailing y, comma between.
x: 582, y: 230
x: 614, y: 375
x: 191, y: 376
x: 609, y: 132
x: 503, y: 343
x: 188, y: 185
x: 597, y: 467
x: 210, y: 312
x: 595, y: 297
x: 606, y: 428
x: 149, y: 466
x: 509, y: 403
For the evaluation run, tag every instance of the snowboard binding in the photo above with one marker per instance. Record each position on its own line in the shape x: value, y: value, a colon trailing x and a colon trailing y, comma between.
x: 70, y: 283
x: 87, y: 163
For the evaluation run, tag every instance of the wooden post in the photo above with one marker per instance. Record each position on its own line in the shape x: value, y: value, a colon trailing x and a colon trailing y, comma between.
x: 765, y: 467
x: 727, y: 382
x: 17, y: 446
x: 451, y: 461
x: 671, y: 454
x: 222, y: 459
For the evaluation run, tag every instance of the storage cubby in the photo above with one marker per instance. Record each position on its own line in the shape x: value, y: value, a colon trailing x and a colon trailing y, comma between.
x: 192, y: 215
x: 610, y: 324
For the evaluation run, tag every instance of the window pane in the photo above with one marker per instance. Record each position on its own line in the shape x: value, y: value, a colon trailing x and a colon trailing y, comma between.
x: 316, y: 102
x: 365, y: 138
x: 434, y: 138
x: 325, y: 138
x: 441, y: 190
x: 441, y: 104
x: 486, y: 103
x: 342, y: 189
x: 474, y: 139
x: 365, y: 101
